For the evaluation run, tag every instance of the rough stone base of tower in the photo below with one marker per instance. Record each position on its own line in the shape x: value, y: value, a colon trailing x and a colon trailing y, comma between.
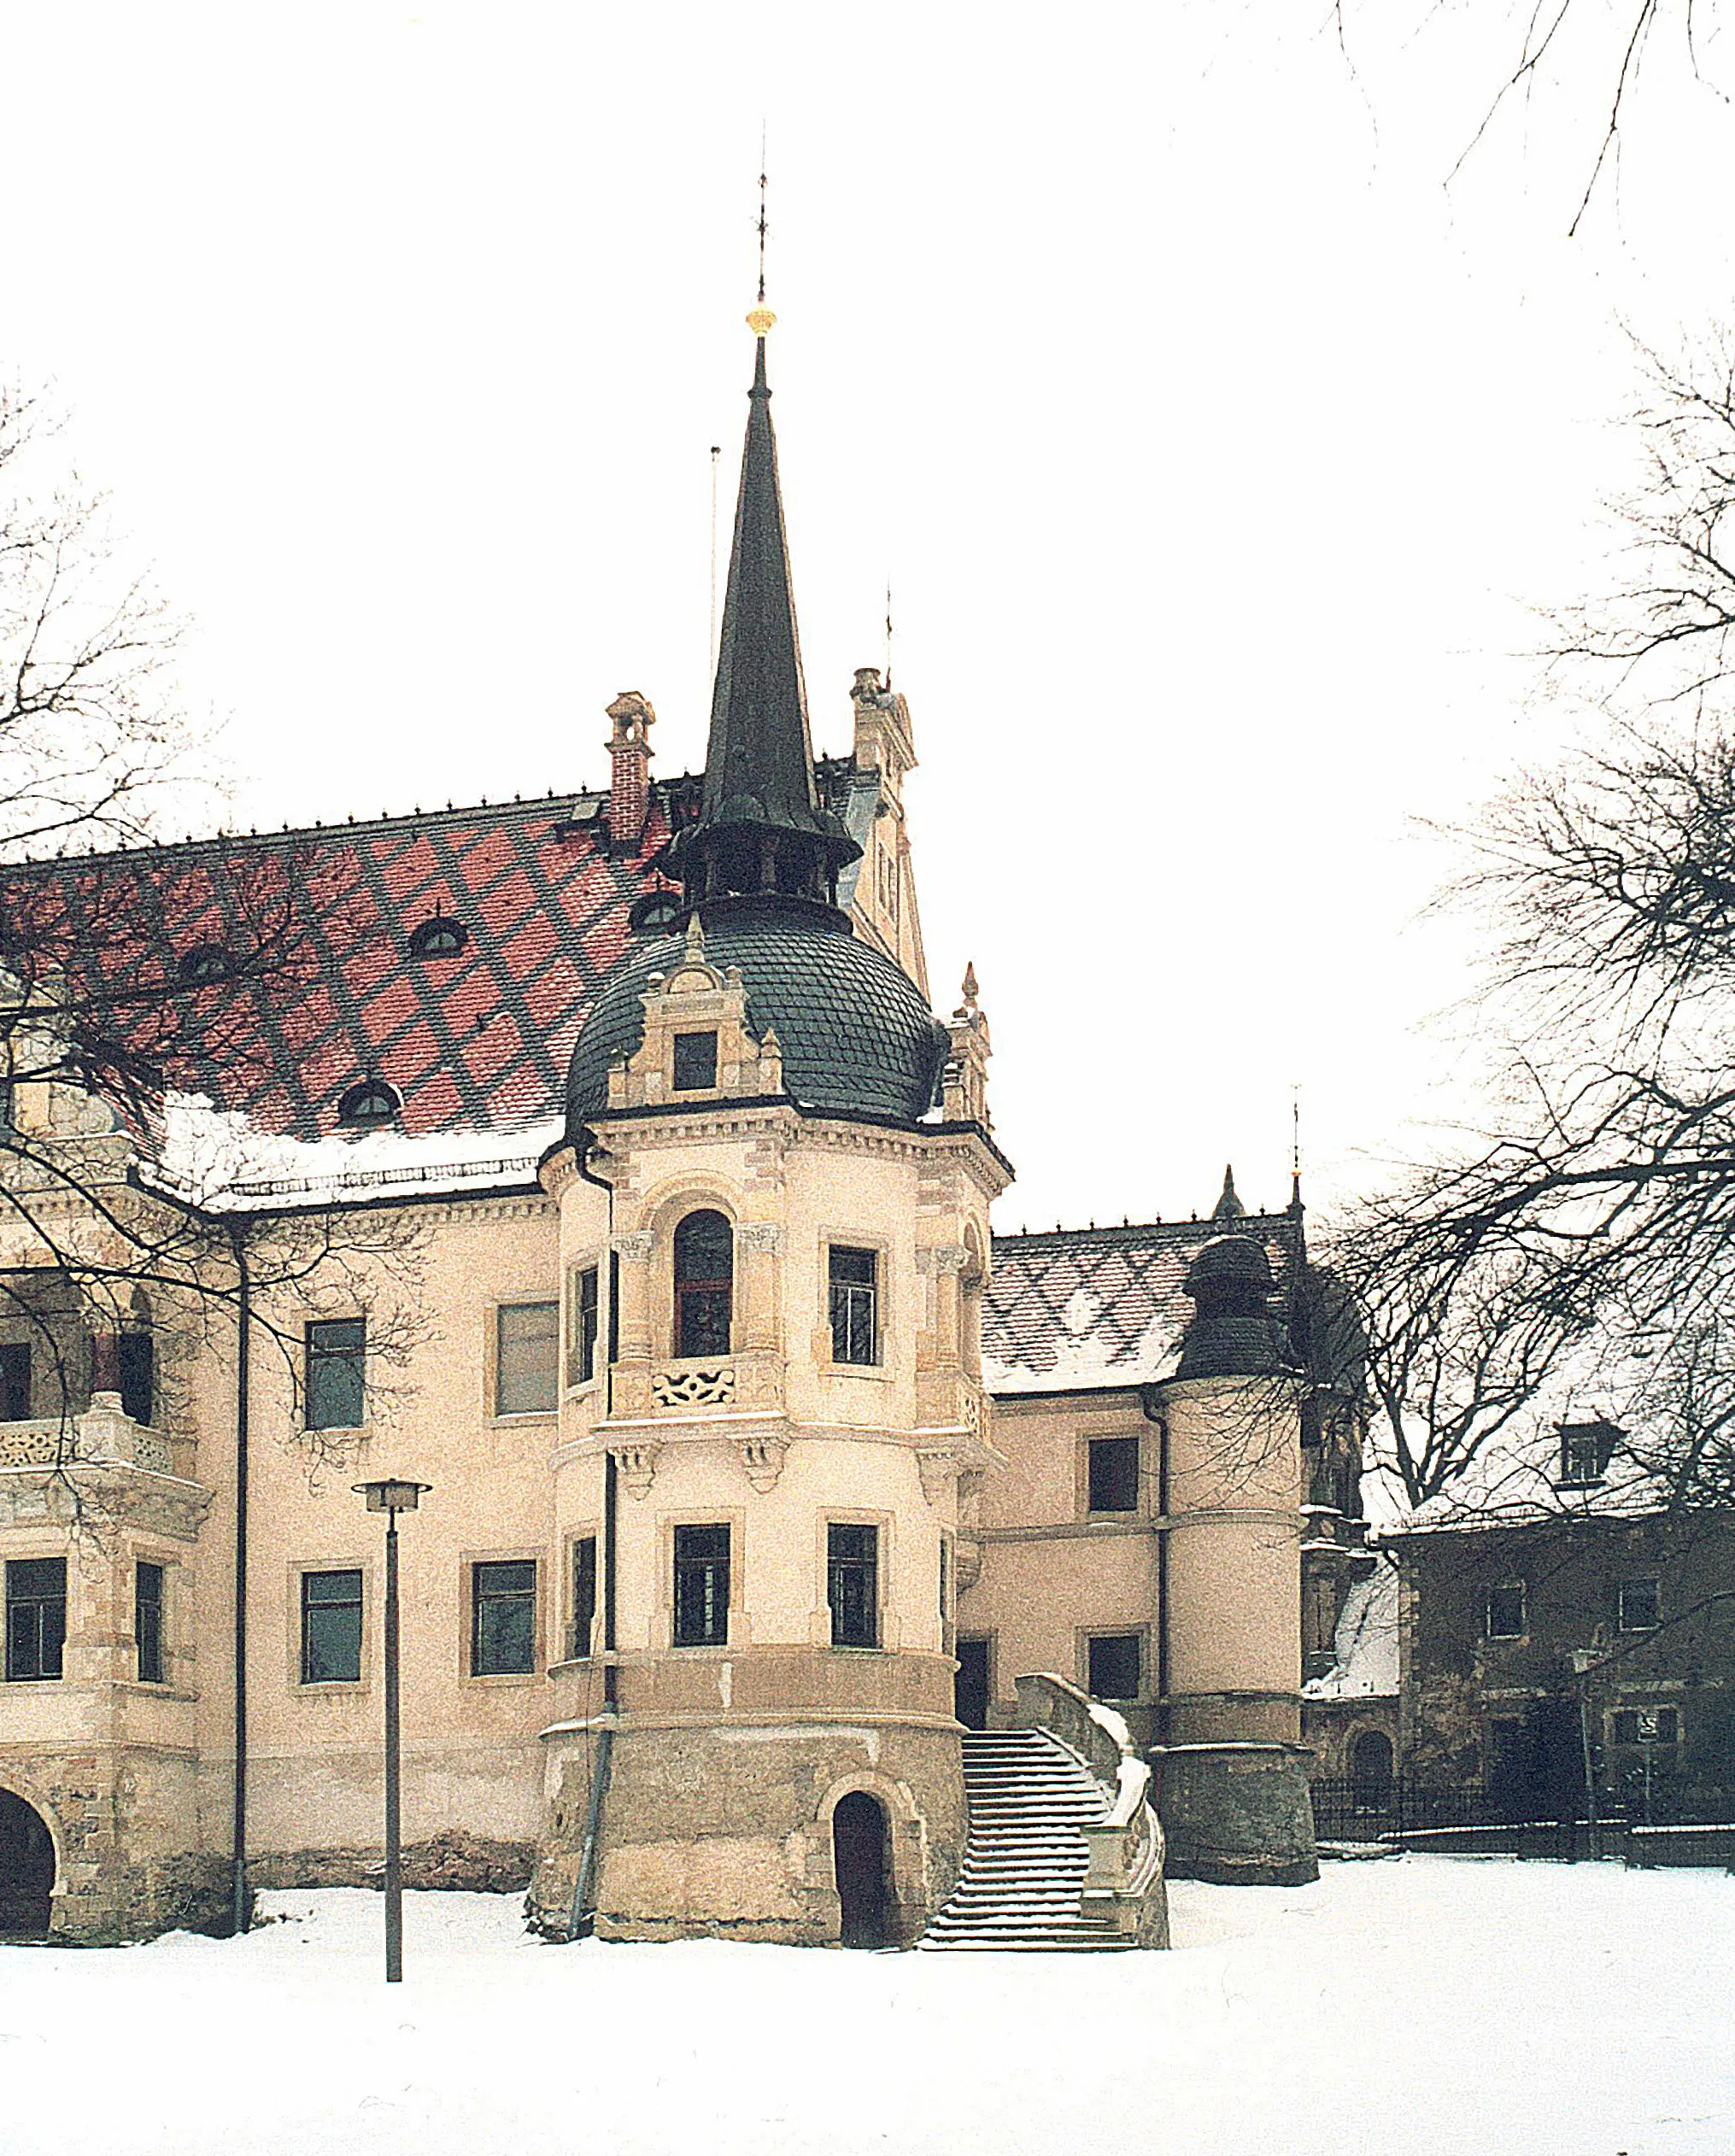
x: 1237, y: 1815
x: 726, y: 1831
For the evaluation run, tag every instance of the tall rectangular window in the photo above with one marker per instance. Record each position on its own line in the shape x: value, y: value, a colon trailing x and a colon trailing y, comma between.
x: 527, y: 1358
x: 330, y: 1627
x: 695, y: 1062
x: 138, y: 1377
x: 335, y: 1370
x: 1114, y: 1475
x: 503, y: 1618
x: 14, y: 1381
x: 147, y: 1621
x: 1504, y: 1618
x: 583, y: 1595
x: 1639, y: 1607
x: 582, y: 1323
x: 1114, y: 1659
x: 853, y: 1584
x: 855, y: 1317
x: 36, y: 1618
x: 701, y: 1586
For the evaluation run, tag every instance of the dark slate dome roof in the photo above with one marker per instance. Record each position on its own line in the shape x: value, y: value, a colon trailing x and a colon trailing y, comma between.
x: 853, y: 1029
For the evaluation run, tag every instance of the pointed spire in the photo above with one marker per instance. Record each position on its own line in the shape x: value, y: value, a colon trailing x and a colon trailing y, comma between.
x: 1228, y: 1207
x: 760, y: 829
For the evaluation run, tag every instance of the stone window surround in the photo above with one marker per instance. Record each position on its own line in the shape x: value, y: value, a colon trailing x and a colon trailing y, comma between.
x: 36, y: 1546
x: 882, y: 1372
x: 490, y: 1359
x: 324, y: 1562
x: 886, y: 1630
x: 1083, y: 1635
x: 344, y: 1314
x: 1128, y: 1428
x: 520, y: 1554
x: 733, y: 1518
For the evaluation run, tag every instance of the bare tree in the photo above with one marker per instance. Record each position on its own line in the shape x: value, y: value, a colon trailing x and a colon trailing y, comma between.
x: 1606, y: 45
x: 123, y: 973
x: 1596, y: 1211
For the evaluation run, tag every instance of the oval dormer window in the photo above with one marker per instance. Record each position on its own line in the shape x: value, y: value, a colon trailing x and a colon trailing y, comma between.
x: 368, y: 1105
x: 654, y: 913
x: 438, y: 937
x: 204, y: 962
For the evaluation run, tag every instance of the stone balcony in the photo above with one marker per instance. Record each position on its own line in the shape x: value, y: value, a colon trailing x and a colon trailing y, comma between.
x: 101, y: 1433
x: 685, y: 1387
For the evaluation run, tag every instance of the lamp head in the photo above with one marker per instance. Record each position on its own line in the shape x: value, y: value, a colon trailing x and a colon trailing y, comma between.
x: 391, y: 1495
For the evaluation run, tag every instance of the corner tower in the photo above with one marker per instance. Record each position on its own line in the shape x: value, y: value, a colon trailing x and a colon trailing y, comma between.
x: 774, y: 1191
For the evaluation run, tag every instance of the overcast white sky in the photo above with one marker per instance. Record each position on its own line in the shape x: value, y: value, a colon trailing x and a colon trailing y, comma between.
x: 1214, y: 445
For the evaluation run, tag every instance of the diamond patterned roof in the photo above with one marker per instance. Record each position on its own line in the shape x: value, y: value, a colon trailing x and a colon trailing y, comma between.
x: 1089, y: 1307
x: 478, y: 1040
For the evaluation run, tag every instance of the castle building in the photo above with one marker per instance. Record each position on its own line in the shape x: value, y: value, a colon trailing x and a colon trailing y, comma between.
x: 799, y: 1562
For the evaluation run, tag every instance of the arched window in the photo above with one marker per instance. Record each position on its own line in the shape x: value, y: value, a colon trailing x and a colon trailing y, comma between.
x: 438, y: 937
x: 703, y: 1284
x: 367, y: 1106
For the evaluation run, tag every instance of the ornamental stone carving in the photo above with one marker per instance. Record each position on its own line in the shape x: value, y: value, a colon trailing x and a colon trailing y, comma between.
x: 763, y: 1458
x: 637, y: 1246
x: 695, y: 1384
x: 937, y: 1467
x: 759, y: 1235
x: 941, y: 1257
x: 637, y: 1464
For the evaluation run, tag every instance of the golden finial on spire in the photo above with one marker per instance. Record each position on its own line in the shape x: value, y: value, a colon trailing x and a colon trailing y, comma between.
x: 760, y: 319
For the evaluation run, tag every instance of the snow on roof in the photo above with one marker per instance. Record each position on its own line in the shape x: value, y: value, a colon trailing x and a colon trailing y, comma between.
x: 220, y: 1159
x: 1085, y: 1308
x: 1366, y: 1644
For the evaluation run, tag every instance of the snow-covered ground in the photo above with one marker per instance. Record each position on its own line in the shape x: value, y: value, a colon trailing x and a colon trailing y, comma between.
x: 1431, y: 2004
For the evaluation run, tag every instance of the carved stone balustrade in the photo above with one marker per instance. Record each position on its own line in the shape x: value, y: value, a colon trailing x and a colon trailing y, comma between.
x: 102, y: 1432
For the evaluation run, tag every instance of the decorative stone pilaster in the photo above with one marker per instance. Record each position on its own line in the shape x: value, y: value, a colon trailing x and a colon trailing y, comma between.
x: 758, y: 1245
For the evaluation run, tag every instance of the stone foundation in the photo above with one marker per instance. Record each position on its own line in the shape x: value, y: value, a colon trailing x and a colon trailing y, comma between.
x: 724, y: 1830
x: 1237, y: 1815
x: 451, y: 1860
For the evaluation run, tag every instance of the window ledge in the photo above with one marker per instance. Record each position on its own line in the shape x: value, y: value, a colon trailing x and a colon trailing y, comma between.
x: 328, y: 1687
x: 524, y: 1414
x: 505, y: 1677
x: 351, y: 1433
x: 34, y: 1684
x: 881, y: 1373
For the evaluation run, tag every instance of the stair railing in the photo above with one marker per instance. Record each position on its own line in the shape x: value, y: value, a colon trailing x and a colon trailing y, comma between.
x: 1124, y: 1882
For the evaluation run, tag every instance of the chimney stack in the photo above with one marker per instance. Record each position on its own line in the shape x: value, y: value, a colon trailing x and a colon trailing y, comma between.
x: 630, y: 762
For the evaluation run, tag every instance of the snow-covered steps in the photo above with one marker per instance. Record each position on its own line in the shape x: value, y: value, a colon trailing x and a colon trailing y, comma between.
x: 1024, y: 1871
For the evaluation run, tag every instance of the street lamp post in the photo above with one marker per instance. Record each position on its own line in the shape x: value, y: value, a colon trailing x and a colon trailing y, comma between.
x: 392, y: 1498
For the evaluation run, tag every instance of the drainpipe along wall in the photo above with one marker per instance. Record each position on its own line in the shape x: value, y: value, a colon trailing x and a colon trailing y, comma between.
x: 582, y: 1915
x: 243, y: 1347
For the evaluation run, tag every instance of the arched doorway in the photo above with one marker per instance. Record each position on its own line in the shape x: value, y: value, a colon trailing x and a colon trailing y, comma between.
x: 1370, y: 1768
x: 27, y: 1870
x: 859, y: 1853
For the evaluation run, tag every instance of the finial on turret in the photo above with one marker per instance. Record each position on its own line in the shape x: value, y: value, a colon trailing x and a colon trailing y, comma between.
x: 1228, y: 1207
x: 967, y: 1009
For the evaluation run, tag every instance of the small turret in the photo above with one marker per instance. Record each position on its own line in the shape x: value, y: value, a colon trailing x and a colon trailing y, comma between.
x: 1229, y: 1206
x: 1232, y: 1333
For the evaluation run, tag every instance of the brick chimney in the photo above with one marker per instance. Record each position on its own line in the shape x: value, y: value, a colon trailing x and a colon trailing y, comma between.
x: 630, y: 761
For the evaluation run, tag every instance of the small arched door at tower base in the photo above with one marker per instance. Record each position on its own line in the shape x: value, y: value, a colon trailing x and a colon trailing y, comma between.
x: 27, y: 1870
x: 860, y: 1855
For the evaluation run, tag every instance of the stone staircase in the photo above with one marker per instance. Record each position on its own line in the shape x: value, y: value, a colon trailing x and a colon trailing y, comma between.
x: 1022, y: 1882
